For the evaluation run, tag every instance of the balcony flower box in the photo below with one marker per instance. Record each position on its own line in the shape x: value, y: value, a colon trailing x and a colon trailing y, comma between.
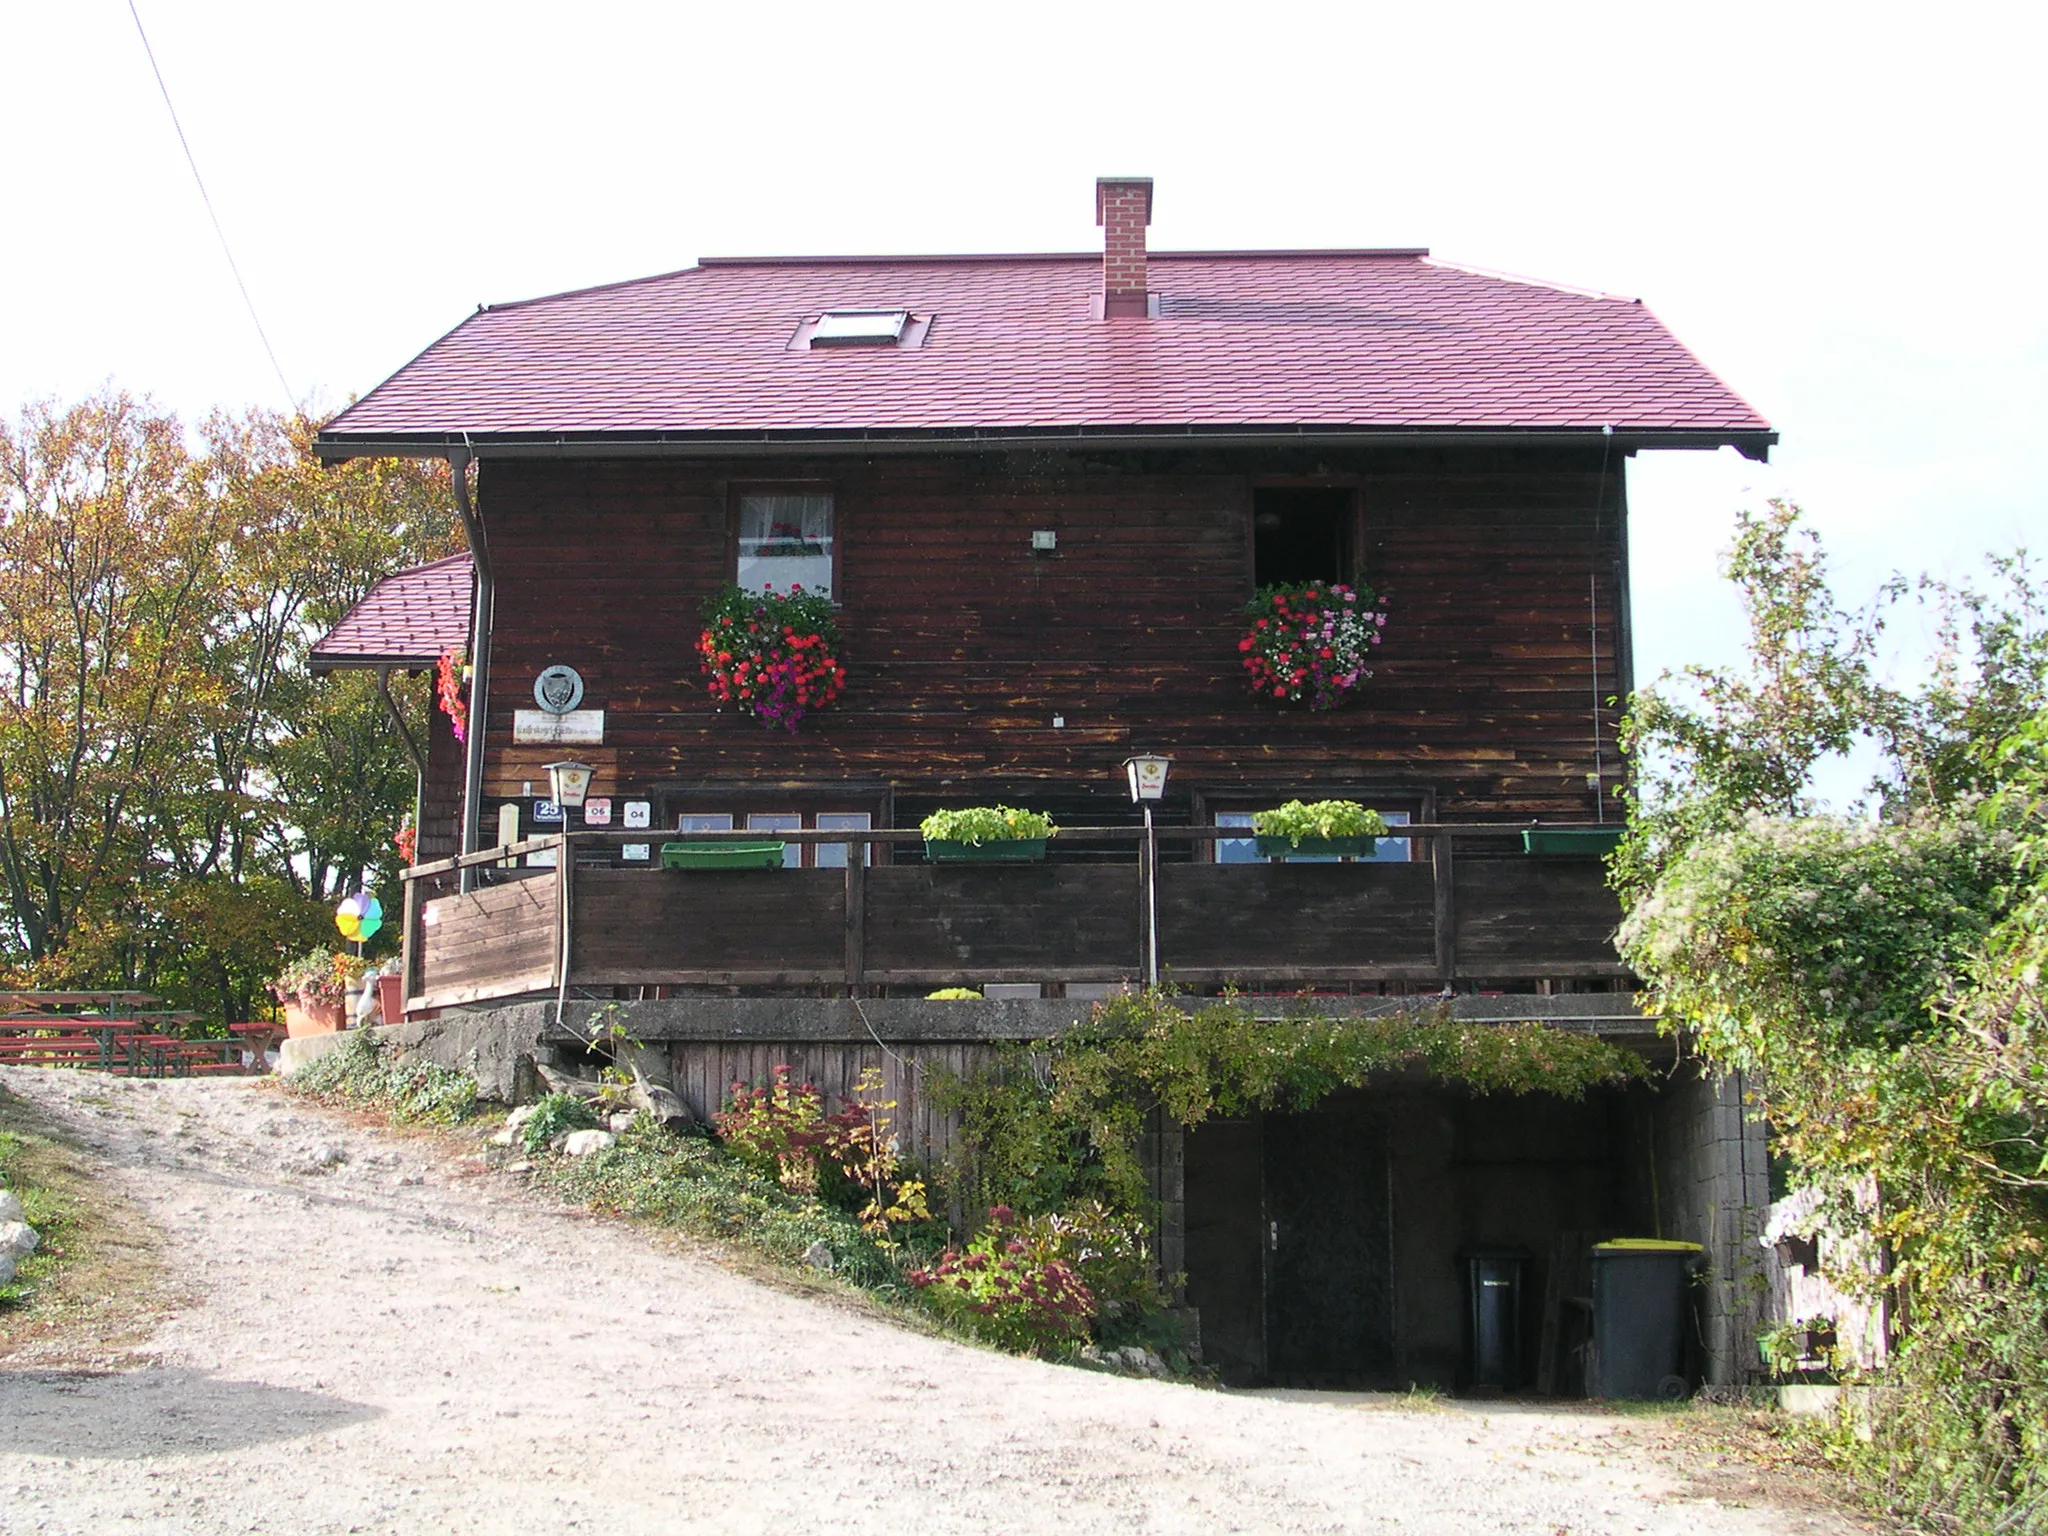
x: 1317, y: 847
x: 1572, y: 842
x: 1326, y: 829
x: 986, y: 834
x: 1013, y: 850
x: 686, y: 855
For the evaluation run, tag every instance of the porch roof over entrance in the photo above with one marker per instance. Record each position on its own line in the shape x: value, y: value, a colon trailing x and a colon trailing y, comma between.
x: 406, y: 620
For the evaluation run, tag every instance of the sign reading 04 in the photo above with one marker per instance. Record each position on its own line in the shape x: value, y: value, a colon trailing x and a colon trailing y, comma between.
x: 558, y: 689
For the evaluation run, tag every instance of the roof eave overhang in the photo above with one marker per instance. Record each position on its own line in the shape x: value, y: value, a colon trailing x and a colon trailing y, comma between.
x: 320, y: 665
x: 338, y: 447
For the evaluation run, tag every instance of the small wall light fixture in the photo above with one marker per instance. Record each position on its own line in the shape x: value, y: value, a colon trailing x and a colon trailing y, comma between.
x: 1147, y: 774
x: 1044, y: 540
x: 569, y: 781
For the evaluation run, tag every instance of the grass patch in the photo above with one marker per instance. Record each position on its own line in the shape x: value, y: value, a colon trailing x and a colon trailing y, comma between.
x: 91, y: 1285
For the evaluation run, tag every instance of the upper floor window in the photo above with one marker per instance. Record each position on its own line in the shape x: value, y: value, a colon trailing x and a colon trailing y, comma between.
x: 784, y: 541
x: 1302, y: 534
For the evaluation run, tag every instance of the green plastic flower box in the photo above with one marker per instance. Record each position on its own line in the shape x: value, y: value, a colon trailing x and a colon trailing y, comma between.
x: 1316, y: 847
x: 721, y: 855
x: 1575, y: 842
x: 1008, y: 850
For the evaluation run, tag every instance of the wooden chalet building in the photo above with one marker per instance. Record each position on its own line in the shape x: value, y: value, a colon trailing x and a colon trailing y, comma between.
x: 1040, y: 491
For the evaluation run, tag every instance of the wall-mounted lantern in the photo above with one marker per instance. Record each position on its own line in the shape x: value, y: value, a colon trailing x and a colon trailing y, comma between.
x: 569, y: 781
x: 1147, y: 774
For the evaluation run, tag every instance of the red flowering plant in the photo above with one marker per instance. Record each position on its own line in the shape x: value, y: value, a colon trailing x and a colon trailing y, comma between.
x: 1011, y: 1286
x: 773, y: 655
x: 451, y: 677
x: 1310, y: 644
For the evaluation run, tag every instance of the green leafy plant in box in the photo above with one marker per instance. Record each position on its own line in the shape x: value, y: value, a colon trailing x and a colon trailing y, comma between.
x: 986, y: 824
x: 1321, y: 827
x: 987, y: 832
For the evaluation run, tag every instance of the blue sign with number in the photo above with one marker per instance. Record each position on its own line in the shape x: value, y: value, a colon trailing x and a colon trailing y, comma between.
x: 546, y: 810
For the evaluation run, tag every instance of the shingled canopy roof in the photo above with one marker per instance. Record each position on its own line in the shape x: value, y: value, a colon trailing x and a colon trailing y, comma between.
x: 406, y: 620
x: 1249, y: 347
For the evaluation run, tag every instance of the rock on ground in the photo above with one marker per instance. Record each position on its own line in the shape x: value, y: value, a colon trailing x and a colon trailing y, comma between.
x: 405, y: 1340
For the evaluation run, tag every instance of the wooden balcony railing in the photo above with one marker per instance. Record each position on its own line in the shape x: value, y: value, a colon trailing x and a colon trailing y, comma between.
x: 1485, y: 915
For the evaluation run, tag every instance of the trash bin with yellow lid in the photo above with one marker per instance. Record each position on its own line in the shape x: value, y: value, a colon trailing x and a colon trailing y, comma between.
x: 1641, y: 1312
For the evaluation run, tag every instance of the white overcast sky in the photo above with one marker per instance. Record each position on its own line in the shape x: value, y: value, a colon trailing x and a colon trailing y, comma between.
x: 1839, y: 208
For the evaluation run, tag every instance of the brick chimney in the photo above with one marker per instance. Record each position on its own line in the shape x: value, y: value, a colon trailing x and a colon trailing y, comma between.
x: 1123, y: 207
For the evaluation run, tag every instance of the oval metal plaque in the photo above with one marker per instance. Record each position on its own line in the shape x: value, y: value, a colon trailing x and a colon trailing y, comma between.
x: 558, y: 689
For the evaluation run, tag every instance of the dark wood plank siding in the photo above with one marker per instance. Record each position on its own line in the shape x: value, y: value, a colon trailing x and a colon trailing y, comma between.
x: 962, y: 645
x: 703, y: 1073
x: 440, y: 835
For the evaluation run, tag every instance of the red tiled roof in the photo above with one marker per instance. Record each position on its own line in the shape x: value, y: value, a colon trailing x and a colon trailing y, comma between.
x: 1361, y: 340
x: 407, y: 619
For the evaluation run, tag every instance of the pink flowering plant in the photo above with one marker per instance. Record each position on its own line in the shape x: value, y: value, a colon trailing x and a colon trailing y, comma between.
x: 1310, y: 644
x: 774, y: 655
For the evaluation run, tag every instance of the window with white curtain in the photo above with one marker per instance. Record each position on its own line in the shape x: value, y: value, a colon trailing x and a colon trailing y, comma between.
x: 786, y: 541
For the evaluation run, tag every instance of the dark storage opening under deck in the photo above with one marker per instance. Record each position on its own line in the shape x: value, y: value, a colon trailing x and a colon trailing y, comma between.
x: 1334, y: 1248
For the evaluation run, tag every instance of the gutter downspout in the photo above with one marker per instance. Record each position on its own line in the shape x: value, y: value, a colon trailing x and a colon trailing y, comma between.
x: 459, y: 460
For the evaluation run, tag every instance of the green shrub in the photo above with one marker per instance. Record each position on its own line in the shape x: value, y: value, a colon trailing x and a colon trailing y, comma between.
x: 986, y: 824
x: 553, y: 1114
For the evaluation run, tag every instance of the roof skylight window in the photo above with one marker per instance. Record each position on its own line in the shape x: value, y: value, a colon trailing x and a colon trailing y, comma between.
x: 860, y: 328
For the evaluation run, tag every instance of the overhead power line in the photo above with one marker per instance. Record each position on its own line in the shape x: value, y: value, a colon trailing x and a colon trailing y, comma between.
x: 254, y: 319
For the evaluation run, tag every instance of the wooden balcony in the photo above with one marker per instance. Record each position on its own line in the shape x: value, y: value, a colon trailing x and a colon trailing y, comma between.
x: 1477, y: 913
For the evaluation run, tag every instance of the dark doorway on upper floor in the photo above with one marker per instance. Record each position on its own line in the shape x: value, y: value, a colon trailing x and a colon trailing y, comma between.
x: 1302, y: 534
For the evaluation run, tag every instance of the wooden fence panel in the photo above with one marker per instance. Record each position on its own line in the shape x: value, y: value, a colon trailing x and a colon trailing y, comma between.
x: 1001, y: 922
x: 498, y: 941
x: 766, y: 926
x: 1522, y: 916
x: 1287, y: 922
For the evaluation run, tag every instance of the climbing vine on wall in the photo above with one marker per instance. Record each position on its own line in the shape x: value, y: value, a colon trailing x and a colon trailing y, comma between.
x: 1060, y: 1120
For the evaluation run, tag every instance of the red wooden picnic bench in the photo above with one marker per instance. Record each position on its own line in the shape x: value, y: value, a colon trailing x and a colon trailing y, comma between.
x: 125, y: 1047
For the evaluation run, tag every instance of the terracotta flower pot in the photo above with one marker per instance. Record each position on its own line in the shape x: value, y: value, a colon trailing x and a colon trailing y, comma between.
x: 302, y: 1019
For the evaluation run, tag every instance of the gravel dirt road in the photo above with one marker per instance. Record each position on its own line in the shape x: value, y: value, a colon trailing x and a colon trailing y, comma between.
x: 374, y: 1333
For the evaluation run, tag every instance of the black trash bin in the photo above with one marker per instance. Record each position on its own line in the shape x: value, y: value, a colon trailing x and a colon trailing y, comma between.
x: 1493, y: 1309
x: 1639, y: 1318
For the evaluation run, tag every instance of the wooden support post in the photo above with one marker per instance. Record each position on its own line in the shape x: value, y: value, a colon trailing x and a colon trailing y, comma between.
x: 409, y: 956
x: 1446, y: 909
x: 565, y: 872
x: 856, y: 916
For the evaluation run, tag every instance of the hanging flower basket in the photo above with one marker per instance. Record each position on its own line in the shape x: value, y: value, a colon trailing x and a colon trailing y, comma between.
x: 772, y: 655
x: 1310, y: 644
x: 451, y: 689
